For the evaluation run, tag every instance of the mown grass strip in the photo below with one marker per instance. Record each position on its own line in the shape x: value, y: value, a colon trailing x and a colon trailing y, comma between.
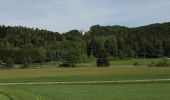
x: 93, y: 82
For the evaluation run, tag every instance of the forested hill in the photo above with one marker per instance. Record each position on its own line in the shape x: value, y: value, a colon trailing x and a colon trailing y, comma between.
x: 21, y: 44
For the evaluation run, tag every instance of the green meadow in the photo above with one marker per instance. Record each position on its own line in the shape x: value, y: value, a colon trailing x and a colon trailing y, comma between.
x: 119, y: 71
x: 88, y: 92
x: 84, y: 74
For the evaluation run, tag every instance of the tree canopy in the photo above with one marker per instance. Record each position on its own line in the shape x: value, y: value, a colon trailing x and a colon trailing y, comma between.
x: 18, y: 43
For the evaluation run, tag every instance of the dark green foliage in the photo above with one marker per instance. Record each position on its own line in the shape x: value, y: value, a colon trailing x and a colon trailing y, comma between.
x: 1, y: 62
x: 102, y: 60
x: 136, y: 64
x: 5, y: 54
x: 111, y: 46
x: 70, y: 53
x: 26, y: 62
x: 72, y: 47
x: 73, y: 35
x: 97, y: 43
x: 9, y: 63
x: 152, y: 40
x: 69, y: 58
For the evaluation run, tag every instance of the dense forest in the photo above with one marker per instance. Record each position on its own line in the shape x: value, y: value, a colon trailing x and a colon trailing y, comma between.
x: 21, y: 45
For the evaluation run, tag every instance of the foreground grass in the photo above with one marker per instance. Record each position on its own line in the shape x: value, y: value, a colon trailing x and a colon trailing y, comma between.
x: 151, y: 91
x: 4, y: 97
x: 88, y: 92
x: 84, y: 74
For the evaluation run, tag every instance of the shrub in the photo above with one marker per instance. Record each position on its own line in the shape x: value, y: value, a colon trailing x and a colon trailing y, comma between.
x: 162, y: 63
x: 136, y: 64
x: 103, y: 62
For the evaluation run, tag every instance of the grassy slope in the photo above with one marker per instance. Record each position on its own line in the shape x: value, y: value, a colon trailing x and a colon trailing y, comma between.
x: 89, y: 92
x: 84, y: 74
x: 3, y: 97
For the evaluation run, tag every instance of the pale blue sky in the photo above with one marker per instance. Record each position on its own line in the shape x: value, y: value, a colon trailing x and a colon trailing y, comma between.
x: 65, y: 15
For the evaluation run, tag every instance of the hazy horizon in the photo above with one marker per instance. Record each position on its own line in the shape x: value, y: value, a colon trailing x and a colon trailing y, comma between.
x: 63, y: 15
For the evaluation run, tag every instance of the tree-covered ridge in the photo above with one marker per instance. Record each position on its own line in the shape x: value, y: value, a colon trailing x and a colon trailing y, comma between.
x: 23, y: 45
x: 152, y: 40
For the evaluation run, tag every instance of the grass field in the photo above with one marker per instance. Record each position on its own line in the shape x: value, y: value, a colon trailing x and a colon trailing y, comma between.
x: 140, y: 91
x: 84, y: 74
x: 4, y: 97
x: 88, y: 92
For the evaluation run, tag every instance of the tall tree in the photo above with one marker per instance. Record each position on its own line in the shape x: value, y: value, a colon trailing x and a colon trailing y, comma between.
x: 111, y: 46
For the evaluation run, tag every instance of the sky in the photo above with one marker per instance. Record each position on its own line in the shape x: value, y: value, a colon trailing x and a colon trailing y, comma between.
x: 64, y: 15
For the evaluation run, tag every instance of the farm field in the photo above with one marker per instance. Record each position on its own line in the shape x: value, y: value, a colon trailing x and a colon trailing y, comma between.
x: 106, y: 91
x: 84, y: 74
x: 88, y: 92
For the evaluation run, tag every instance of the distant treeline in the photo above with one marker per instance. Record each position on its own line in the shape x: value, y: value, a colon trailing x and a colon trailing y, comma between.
x: 22, y: 44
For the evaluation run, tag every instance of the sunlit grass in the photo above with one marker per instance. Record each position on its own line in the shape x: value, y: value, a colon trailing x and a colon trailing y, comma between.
x: 89, y: 92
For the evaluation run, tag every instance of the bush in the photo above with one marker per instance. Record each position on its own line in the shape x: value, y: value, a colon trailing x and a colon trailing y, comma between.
x: 103, y: 62
x: 136, y: 64
x: 162, y: 63
x: 102, y: 59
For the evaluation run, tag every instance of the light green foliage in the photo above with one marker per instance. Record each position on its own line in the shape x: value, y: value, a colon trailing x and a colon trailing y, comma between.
x: 164, y: 62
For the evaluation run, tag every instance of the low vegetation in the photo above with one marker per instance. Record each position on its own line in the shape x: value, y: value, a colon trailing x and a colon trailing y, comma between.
x: 164, y: 62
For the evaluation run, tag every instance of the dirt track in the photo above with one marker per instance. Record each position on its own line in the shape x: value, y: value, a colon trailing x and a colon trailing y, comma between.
x: 89, y: 82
